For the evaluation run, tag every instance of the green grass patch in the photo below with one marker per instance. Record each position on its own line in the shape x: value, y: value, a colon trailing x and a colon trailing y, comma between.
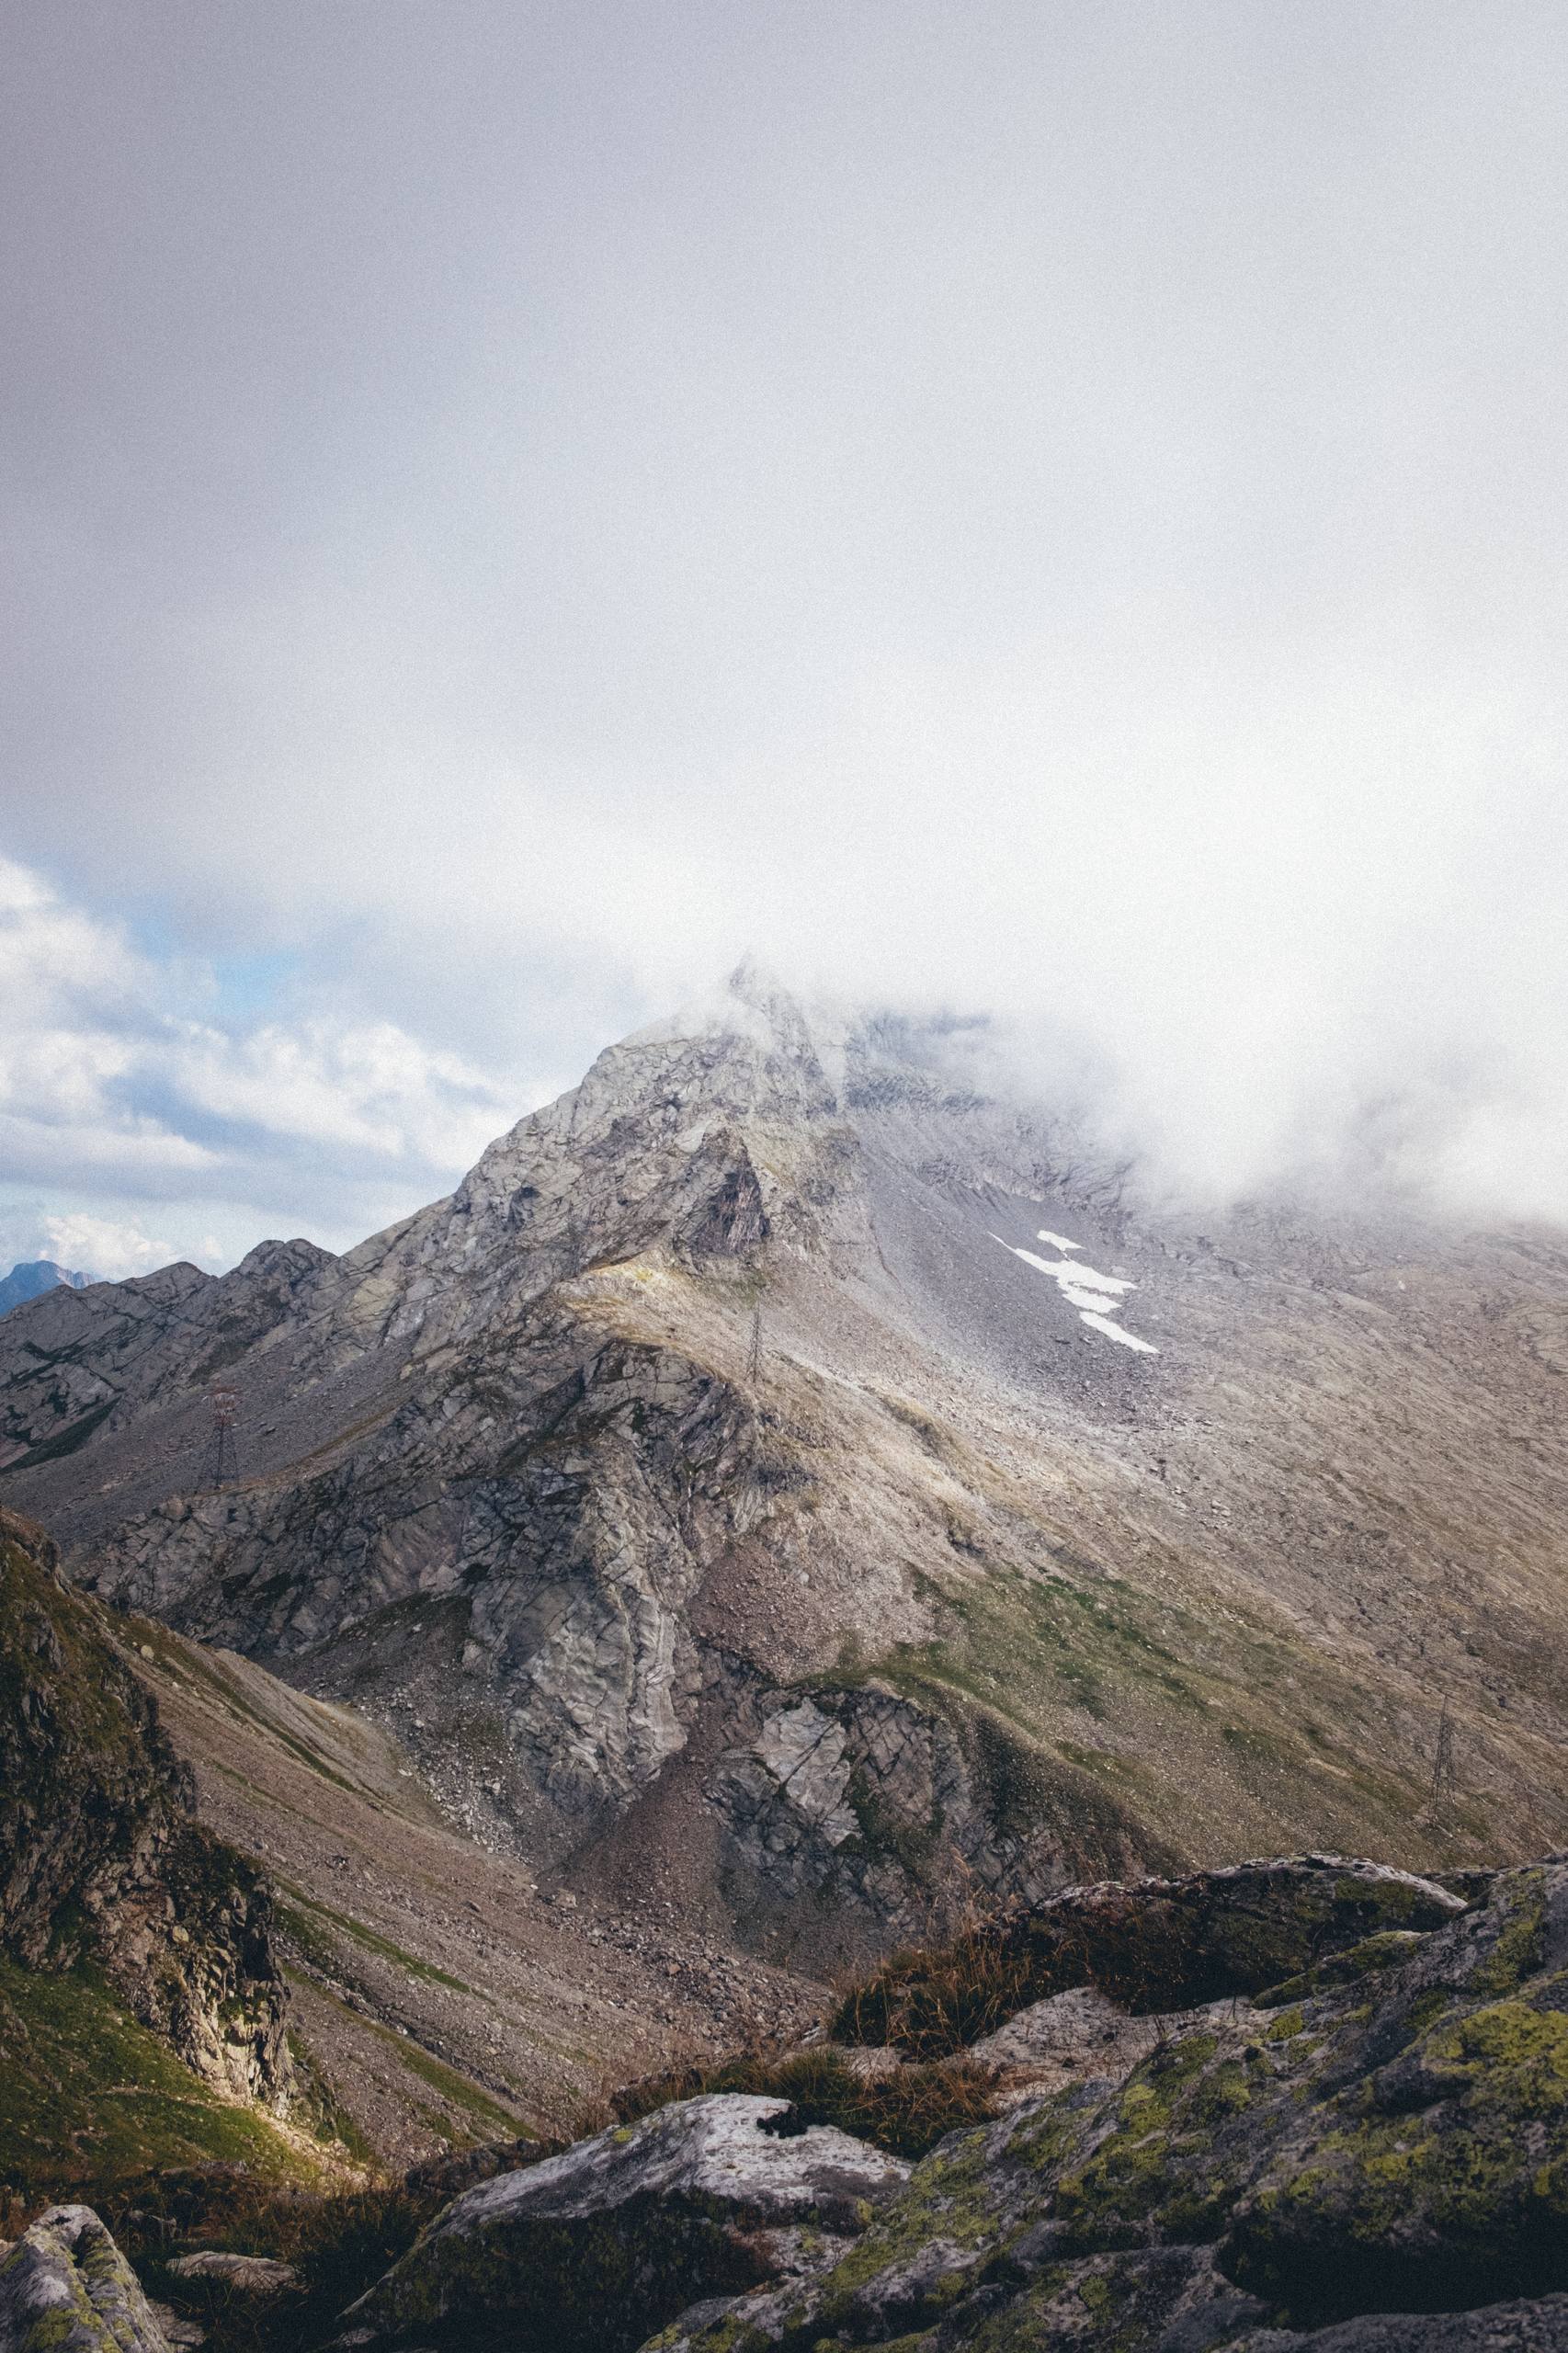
x: 89, y: 2097
x: 459, y: 2091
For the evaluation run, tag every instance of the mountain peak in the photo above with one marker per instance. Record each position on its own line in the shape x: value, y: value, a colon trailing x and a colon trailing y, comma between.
x: 30, y: 1277
x: 752, y: 983
x: 725, y: 1414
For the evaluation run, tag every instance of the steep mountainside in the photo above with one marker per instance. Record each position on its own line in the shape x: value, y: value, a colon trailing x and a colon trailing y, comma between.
x: 437, y: 1994
x: 100, y: 1860
x: 142, y: 2000
x: 784, y: 1483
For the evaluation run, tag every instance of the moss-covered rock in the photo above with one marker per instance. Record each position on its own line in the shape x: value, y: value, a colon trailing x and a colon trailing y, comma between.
x: 1443, y: 2175
x: 1389, y: 2145
x: 1384, y: 1949
x: 66, y: 2288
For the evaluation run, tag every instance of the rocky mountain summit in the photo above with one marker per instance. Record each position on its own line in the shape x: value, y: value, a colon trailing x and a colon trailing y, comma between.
x: 793, y: 1477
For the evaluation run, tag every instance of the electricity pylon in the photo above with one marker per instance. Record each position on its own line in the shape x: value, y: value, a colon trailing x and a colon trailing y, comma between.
x: 223, y: 1404
x: 1444, y: 1781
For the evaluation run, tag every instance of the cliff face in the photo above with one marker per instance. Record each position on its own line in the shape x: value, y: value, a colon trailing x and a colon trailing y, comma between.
x: 100, y: 1861
x: 787, y: 1478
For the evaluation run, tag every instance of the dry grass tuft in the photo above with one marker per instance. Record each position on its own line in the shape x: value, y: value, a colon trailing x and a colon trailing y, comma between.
x: 942, y: 1999
x: 338, y: 2244
x: 907, y: 2112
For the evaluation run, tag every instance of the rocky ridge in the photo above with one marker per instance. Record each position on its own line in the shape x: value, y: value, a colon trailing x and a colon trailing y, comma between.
x: 30, y: 1276
x: 725, y: 1497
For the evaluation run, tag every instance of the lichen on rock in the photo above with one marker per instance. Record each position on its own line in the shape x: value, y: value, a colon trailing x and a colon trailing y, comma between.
x: 1381, y: 2163
x: 66, y: 2288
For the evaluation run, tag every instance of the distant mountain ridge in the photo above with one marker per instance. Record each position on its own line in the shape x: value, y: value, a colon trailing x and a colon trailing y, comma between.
x: 784, y: 1476
x: 30, y: 1277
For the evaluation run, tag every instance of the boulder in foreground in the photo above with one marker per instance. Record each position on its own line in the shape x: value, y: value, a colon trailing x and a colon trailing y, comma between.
x: 1370, y: 2156
x: 591, y: 2251
x: 66, y: 2288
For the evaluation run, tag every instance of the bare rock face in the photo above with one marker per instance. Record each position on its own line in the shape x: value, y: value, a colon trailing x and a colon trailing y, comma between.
x: 735, y: 1481
x: 845, y: 1796
x: 79, y: 1356
x: 66, y: 2288
x: 620, y: 1489
x: 99, y: 1857
x: 1374, y: 2163
x: 594, y: 2248
x: 1082, y: 2032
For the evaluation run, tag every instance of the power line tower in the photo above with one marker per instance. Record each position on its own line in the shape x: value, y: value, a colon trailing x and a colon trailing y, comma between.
x: 223, y: 1404
x: 1444, y: 1782
x: 754, y: 1354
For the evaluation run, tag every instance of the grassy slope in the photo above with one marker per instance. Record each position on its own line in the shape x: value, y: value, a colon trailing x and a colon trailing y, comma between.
x: 89, y: 2098
x: 351, y: 1768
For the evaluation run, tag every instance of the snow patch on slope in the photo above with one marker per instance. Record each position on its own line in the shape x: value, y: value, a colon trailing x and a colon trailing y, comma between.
x: 1115, y: 1332
x: 1083, y: 1287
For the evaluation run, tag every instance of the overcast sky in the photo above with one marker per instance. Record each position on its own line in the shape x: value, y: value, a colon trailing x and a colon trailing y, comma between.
x: 1053, y: 507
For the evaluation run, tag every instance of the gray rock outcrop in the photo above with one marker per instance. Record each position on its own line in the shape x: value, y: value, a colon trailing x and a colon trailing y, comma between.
x: 1369, y: 2157
x: 847, y: 1796
x: 66, y: 2288
x: 594, y: 2248
x: 243, y: 2275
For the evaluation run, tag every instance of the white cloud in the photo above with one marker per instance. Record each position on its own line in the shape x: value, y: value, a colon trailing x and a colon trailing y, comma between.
x: 100, y: 1246
x: 111, y: 1093
x: 143, y: 1154
x: 371, y: 1088
x: 1051, y: 509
